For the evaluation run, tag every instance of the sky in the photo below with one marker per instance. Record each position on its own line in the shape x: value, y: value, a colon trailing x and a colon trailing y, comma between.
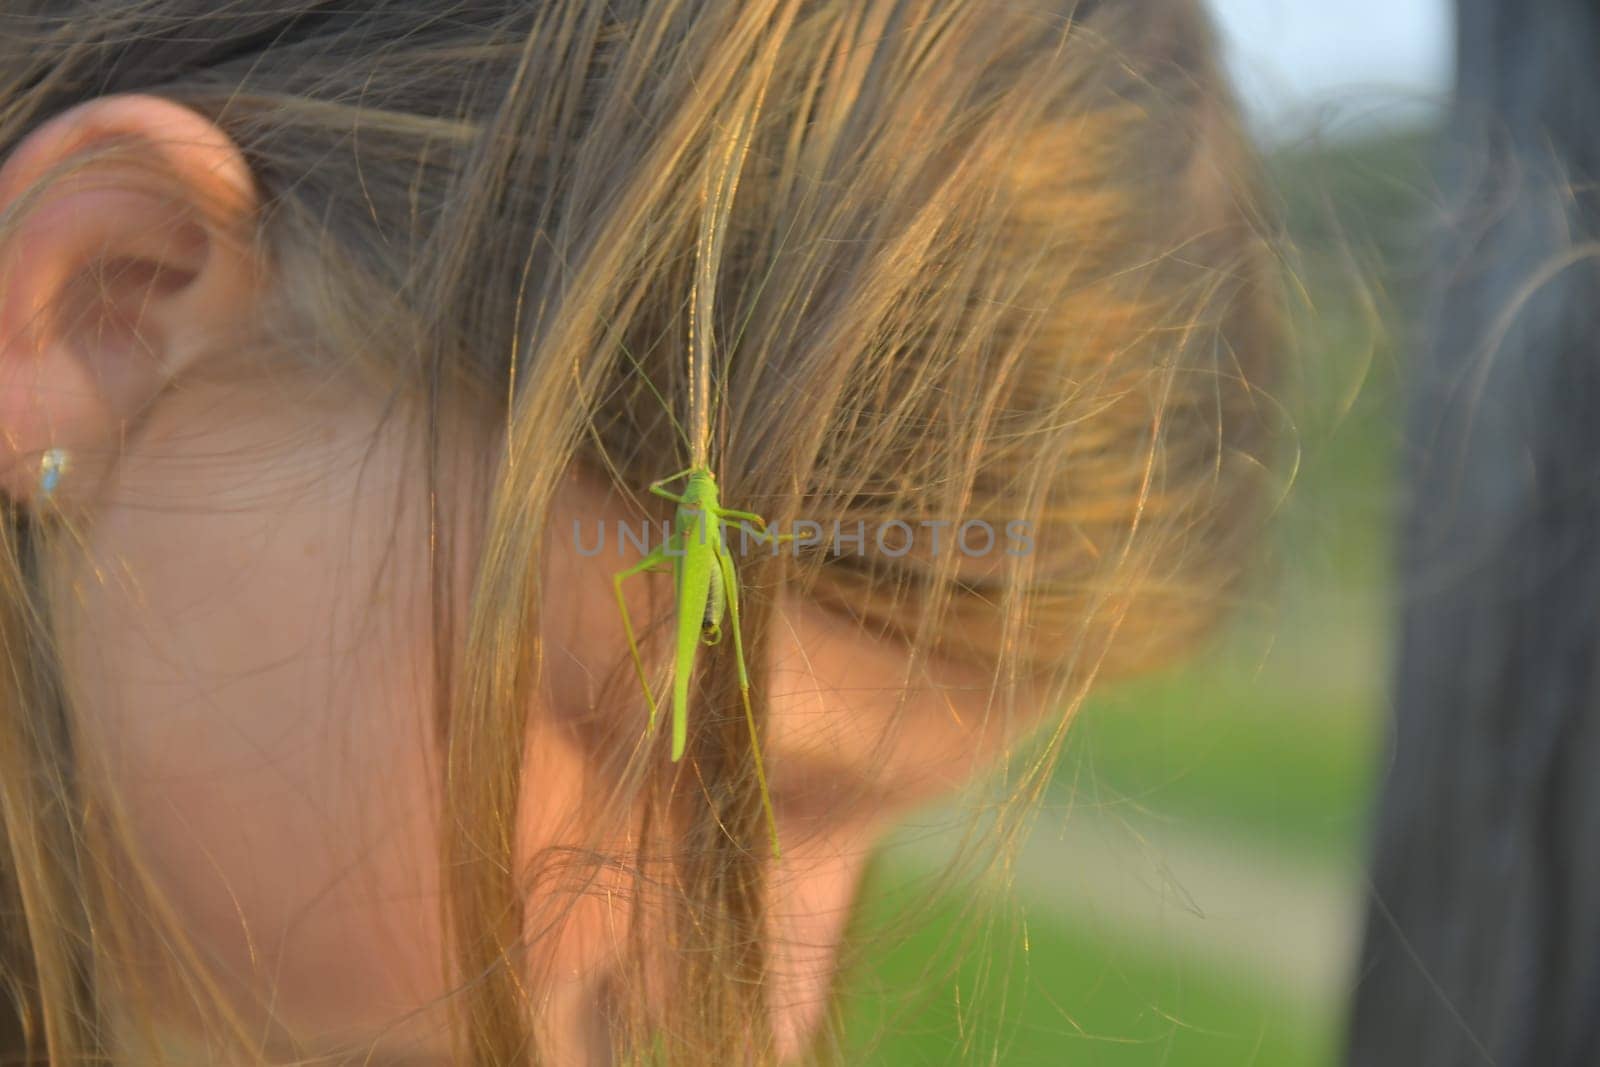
x: 1337, y: 68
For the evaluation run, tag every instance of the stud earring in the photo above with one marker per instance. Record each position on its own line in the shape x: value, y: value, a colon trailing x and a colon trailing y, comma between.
x: 51, y: 467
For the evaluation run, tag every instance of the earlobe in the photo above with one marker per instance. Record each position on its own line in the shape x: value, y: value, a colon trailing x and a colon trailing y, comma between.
x: 122, y: 248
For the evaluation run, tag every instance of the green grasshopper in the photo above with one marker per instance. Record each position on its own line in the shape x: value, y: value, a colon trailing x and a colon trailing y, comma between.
x: 696, y: 552
x: 707, y: 590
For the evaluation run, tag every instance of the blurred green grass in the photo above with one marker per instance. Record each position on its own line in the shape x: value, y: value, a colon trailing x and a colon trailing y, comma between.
x: 1272, y: 738
x: 1286, y: 769
x: 1039, y: 994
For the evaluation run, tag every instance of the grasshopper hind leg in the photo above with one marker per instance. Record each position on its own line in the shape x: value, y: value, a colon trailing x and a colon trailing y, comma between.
x: 730, y: 584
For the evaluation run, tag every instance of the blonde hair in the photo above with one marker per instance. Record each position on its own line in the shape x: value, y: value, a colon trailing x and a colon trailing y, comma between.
x: 993, y: 260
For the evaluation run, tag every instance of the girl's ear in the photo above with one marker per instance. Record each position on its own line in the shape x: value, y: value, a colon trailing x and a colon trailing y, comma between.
x: 123, y: 226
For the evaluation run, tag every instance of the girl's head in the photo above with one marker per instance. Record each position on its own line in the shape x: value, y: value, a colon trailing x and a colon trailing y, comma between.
x: 363, y: 331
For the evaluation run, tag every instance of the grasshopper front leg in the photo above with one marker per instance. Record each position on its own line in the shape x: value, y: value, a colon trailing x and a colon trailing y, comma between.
x: 654, y: 561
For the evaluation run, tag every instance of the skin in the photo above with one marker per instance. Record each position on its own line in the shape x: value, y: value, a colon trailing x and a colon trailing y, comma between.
x: 248, y: 644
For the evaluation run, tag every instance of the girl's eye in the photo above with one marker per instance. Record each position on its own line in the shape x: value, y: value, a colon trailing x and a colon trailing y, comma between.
x: 806, y: 806
x: 828, y: 798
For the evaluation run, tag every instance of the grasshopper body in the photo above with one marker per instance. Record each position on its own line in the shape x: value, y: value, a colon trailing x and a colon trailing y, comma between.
x: 706, y: 590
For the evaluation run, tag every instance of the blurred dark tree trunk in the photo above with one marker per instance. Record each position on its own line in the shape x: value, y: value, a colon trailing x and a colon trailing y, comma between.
x: 1482, y: 942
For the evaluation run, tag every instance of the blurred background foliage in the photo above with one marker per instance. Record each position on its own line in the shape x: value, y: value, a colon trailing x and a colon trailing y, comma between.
x: 1191, y: 892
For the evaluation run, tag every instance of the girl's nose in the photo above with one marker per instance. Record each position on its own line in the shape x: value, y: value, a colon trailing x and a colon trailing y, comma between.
x: 811, y: 906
